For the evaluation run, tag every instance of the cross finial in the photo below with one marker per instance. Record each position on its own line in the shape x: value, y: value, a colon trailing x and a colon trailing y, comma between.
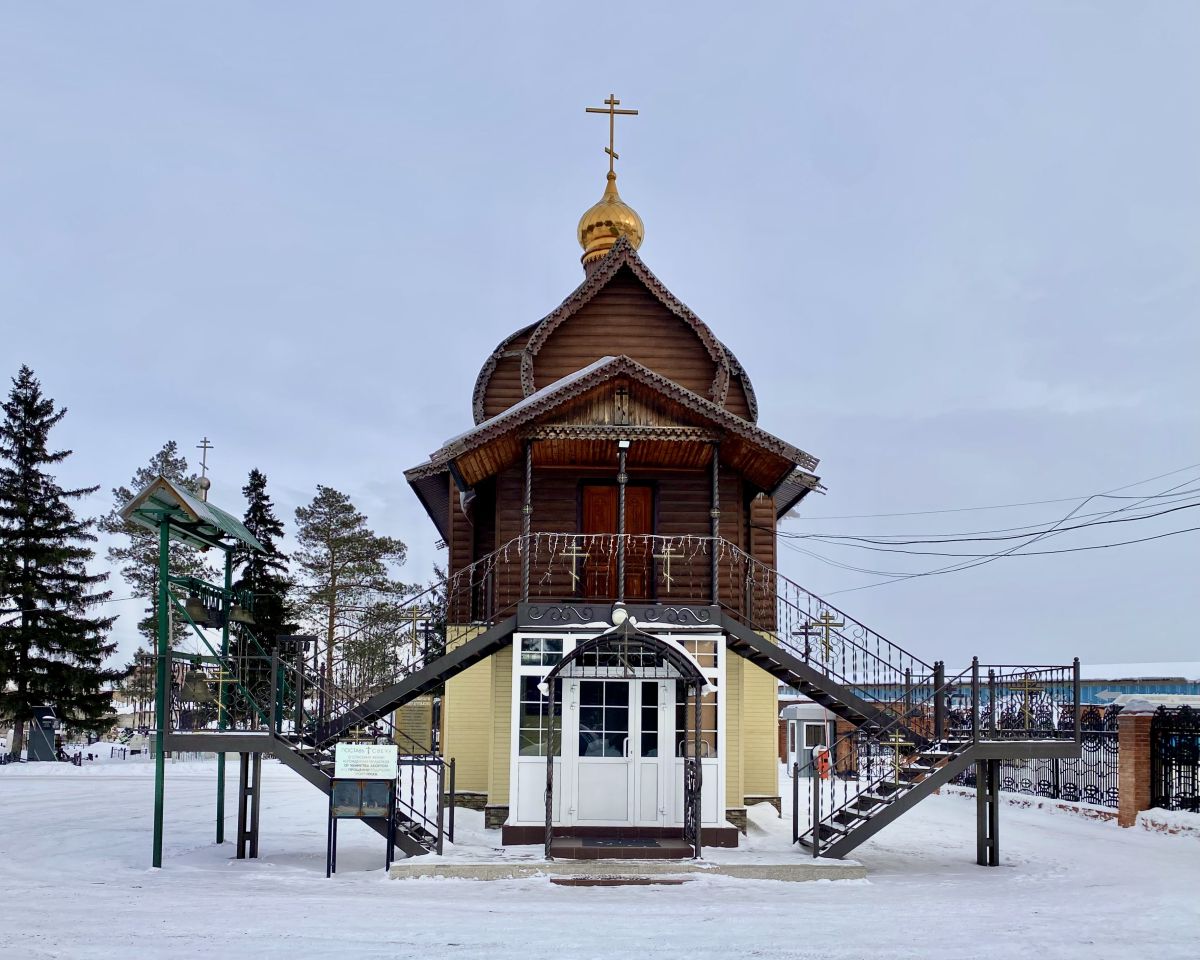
x: 204, y: 446
x: 611, y: 109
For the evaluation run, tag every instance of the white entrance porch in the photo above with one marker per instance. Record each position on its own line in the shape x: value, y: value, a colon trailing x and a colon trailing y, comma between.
x: 622, y: 734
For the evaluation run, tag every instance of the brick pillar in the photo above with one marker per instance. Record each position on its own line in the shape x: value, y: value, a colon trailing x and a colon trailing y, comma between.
x: 1133, y: 727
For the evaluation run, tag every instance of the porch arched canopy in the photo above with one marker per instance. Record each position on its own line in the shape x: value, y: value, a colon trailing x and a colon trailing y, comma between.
x: 626, y: 652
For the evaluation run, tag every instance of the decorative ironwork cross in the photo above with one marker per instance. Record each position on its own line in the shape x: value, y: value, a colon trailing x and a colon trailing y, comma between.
x: 223, y: 677
x: 827, y: 624
x: 610, y: 108
x: 808, y: 631
x: 1028, y: 686
x: 575, y: 554
x: 413, y: 615
x: 896, y: 741
x: 668, y: 552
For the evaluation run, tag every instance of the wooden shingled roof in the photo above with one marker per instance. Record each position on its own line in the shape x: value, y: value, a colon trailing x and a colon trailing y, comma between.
x: 492, y: 445
x: 521, y: 348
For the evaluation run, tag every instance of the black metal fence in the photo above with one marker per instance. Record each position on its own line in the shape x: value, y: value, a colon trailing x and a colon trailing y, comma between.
x: 1093, y: 778
x: 1175, y: 759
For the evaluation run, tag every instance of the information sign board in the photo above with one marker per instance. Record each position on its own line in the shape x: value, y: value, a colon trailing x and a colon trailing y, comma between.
x: 365, y: 761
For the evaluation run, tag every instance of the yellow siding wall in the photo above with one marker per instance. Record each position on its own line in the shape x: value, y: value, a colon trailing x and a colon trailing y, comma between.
x: 467, y: 722
x: 502, y: 668
x: 733, y: 729
x: 760, y: 732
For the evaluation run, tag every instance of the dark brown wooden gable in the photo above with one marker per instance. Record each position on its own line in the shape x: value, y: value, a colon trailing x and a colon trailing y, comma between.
x: 626, y: 318
x: 738, y: 401
x: 499, y: 384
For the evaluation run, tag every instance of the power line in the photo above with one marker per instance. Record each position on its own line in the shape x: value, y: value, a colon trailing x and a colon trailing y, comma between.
x: 990, y: 558
x: 790, y: 534
x: 902, y: 575
x: 1003, y: 506
x: 850, y: 541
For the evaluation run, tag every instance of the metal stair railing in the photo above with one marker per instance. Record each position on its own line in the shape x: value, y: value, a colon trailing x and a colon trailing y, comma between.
x: 425, y: 785
x: 825, y: 637
x: 251, y: 690
x: 872, y: 768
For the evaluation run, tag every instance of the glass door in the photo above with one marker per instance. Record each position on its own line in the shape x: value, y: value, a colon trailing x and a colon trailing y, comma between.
x: 604, y: 754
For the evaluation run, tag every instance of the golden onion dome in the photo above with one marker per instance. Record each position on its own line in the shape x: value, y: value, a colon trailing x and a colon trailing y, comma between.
x: 606, y: 221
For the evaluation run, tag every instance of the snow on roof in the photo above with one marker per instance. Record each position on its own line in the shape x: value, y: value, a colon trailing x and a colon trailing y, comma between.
x: 1187, y: 669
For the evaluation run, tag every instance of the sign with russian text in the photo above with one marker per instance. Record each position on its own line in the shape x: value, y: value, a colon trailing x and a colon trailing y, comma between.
x: 365, y: 761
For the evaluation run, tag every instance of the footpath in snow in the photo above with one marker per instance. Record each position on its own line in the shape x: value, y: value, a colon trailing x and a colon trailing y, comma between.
x: 75, y: 883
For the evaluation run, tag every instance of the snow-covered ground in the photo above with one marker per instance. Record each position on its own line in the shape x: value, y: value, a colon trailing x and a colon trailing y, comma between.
x: 75, y: 882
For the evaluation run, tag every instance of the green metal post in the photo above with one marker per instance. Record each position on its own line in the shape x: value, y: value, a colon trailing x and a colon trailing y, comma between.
x: 161, y: 704
x: 221, y: 721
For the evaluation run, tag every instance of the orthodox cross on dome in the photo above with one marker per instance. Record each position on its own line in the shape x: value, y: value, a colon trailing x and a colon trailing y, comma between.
x: 204, y: 446
x: 611, y: 109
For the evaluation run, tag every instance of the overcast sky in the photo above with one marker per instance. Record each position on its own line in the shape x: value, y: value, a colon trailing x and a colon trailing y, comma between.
x: 956, y: 246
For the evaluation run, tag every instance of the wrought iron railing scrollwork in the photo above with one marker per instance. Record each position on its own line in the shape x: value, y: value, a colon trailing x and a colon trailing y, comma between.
x: 1175, y: 759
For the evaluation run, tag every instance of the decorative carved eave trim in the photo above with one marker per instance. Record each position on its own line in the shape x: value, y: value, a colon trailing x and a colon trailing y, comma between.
x: 587, y: 431
x: 479, y: 395
x: 423, y: 470
x: 574, y: 385
x: 736, y: 369
x: 623, y: 255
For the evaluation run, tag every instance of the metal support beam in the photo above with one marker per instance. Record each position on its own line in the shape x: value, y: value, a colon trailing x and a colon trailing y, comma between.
x: 714, y: 513
x: 161, y: 702
x: 622, y: 479
x: 526, y: 520
x: 939, y: 700
x: 249, y: 781
x: 987, y: 813
x: 221, y: 695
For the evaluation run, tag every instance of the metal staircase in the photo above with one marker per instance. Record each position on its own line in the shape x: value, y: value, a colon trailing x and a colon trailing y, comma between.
x: 250, y: 701
x: 906, y: 729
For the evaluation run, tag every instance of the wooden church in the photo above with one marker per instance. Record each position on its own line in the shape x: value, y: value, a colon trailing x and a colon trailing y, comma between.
x: 612, y: 634
x: 603, y: 515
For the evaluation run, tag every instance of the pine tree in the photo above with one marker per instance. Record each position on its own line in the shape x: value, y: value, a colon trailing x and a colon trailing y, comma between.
x: 52, y: 650
x: 137, y: 559
x: 345, y: 567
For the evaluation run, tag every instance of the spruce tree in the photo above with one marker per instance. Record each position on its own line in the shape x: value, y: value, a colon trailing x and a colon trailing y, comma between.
x: 265, y: 575
x: 52, y: 647
x: 137, y: 557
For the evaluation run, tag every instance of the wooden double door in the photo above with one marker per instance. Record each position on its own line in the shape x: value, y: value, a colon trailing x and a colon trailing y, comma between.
x: 599, y: 516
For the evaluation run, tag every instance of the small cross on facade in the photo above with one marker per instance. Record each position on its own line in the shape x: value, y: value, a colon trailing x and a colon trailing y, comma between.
x: 665, y: 556
x: 574, y: 554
